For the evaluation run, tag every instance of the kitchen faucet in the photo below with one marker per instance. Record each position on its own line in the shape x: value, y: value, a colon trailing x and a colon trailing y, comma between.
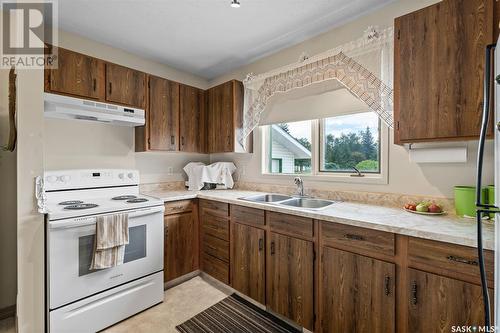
x: 300, y: 186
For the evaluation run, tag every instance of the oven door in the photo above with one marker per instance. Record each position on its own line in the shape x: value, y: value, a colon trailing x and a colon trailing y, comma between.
x: 70, y: 249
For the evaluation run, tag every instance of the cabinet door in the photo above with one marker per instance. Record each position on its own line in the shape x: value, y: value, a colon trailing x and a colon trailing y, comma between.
x: 163, y: 114
x: 357, y: 293
x: 290, y: 274
x: 125, y: 86
x: 439, y: 67
x: 220, y: 113
x: 77, y: 74
x: 437, y: 303
x: 191, y: 122
x: 248, y: 261
x: 181, y: 251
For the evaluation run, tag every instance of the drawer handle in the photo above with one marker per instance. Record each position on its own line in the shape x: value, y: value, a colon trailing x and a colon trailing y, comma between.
x: 211, y: 247
x: 177, y: 207
x: 354, y: 237
x: 272, y: 248
x: 462, y: 260
x: 261, y: 245
x: 414, y: 289
x: 94, y: 84
x: 110, y: 88
x: 387, y: 285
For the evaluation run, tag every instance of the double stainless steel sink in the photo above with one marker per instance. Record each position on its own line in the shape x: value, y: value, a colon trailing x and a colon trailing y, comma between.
x: 285, y: 200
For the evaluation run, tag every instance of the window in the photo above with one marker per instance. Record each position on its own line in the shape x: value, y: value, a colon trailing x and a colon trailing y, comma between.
x: 350, y: 141
x: 329, y: 148
x: 290, y: 147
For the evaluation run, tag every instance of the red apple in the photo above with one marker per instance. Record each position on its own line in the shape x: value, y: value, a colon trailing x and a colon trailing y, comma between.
x: 434, y: 208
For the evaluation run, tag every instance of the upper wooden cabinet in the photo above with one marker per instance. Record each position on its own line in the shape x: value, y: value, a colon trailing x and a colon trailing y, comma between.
x: 192, y: 122
x: 163, y: 113
x: 439, y: 61
x: 225, y: 118
x: 125, y: 86
x: 77, y: 75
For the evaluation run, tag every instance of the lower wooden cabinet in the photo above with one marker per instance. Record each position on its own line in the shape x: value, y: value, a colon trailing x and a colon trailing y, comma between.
x: 181, y: 253
x: 248, y: 261
x: 357, y: 293
x: 436, y: 303
x: 290, y: 278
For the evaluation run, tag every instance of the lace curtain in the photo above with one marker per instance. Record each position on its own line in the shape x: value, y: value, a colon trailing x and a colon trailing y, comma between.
x: 363, y: 67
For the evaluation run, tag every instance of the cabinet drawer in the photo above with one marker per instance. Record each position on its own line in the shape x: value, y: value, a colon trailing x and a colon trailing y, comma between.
x: 216, y: 268
x: 218, y: 208
x: 176, y: 207
x: 216, y: 247
x: 438, y: 257
x: 246, y: 215
x: 290, y: 224
x: 361, y: 238
x: 216, y: 226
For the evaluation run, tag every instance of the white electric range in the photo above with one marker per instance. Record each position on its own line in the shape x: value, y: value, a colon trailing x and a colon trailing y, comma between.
x: 84, y: 300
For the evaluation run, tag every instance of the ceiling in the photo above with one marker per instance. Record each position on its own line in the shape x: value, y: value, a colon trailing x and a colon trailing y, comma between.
x: 207, y: 38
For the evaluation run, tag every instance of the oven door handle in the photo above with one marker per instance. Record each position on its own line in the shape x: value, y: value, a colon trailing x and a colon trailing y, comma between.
x: 86, y: 221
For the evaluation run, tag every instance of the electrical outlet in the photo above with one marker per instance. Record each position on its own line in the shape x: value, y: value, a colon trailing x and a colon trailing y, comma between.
x: 170, y: 171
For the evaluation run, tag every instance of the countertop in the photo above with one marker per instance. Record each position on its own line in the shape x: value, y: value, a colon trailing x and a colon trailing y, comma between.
x: 444, y: 228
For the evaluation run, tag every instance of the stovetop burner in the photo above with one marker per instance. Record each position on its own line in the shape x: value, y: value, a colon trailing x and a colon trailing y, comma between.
x: 81, y: 206
x: 124, y: 197
x: 137, y: 200
x: 70, y: 202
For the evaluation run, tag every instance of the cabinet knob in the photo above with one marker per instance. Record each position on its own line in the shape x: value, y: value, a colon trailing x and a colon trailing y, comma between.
x: 272, y: 248
x: 261, y: 245
x: 172, y: 140
x: 497, y: 79
x: 387, y: 284
x: 414, y: 299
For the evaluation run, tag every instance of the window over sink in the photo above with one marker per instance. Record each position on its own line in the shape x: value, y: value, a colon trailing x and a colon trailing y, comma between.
x: 332, y: 148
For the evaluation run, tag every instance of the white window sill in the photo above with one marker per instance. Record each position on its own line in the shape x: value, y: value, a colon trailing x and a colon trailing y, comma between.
x: 327, y: 177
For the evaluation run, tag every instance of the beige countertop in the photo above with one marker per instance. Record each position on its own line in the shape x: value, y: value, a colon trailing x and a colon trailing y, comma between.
x: 441, y: 228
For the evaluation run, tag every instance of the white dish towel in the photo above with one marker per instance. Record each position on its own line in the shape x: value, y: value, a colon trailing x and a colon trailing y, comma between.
x: 110, y: 239
x: 215, y: 173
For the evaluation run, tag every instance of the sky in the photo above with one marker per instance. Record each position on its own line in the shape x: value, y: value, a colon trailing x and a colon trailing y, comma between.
x: 338, y: 125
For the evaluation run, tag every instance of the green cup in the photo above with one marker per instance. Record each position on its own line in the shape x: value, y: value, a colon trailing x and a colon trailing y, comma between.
x: 465, y: 200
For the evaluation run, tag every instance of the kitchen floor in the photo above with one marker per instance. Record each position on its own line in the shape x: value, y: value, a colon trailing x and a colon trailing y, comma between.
x: 181, y: 303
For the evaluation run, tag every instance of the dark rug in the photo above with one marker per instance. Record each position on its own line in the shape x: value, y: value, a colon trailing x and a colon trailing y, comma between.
x: 234, y: 315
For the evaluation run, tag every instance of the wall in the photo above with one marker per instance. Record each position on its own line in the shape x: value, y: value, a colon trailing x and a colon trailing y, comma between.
x: 75, y: 144
x: 404, y: 177
x: 8, y: 214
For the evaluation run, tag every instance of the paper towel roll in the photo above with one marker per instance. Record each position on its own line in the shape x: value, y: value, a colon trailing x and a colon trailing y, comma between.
x: 438, y: 155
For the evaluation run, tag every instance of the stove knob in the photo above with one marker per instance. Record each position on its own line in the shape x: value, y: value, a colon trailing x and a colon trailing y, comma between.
x: 130, y: 175
x: 65, y: 178
x: 121, y: 176
x: 51, y: 179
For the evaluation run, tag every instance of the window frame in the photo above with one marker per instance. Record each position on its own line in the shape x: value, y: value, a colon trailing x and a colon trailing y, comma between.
x: 329, y: 176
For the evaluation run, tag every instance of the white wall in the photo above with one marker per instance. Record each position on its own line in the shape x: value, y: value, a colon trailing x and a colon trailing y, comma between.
x: 74, y: 144
x: 404, y: 177
x: 8, y: 214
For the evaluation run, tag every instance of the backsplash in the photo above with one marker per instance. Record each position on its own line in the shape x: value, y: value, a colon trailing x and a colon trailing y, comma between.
x: 166, y: 186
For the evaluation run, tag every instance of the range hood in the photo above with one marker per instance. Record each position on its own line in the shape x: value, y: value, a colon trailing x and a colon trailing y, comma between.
x: 65, y: 107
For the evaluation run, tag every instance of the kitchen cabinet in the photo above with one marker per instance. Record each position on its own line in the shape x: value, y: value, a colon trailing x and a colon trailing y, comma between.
x: 163, y: 113
x: 214, y: 220
x: 358, y: 293
x: 290, y: 278
x: 192, y: 119
x: 77, y: 75
x: 439, y: 66
x: 436, y: 303
x: 248, y: 261
x: 225, y: 118
x: 125, y: 86
x: 181, y: 239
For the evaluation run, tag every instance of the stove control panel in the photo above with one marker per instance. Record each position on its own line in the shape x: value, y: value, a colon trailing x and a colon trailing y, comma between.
x: 89, y: 178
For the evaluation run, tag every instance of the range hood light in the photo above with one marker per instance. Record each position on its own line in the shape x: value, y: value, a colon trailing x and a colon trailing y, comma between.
x: 235, y: 4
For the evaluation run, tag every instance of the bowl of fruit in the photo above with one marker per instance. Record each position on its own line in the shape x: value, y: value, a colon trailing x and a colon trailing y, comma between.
x: 424, y: 208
